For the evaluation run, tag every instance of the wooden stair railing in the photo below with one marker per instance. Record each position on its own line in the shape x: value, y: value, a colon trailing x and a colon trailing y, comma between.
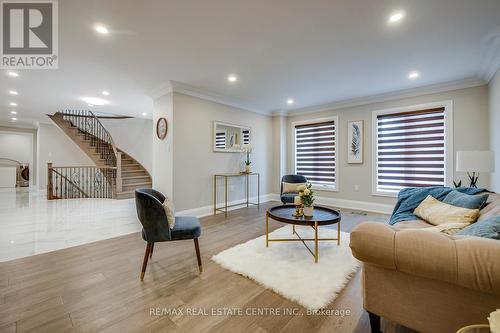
x: 85, y: 129
x: 80, y: 182
x: 93, y: 130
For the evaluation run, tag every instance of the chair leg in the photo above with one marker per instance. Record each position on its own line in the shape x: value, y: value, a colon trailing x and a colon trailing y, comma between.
x: 374, y: 322
x: 198, y: 256
x: 145, y: 262
x: 152, y: 248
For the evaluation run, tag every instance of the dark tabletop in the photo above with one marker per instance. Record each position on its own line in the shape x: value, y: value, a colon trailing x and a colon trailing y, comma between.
x: 322, y: 215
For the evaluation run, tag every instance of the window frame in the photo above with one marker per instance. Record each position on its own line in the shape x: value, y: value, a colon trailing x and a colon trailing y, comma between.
x: 335, y: 119
x: 448, y: 143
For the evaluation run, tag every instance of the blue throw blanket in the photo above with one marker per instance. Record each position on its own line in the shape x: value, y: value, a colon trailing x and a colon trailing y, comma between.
x: 410, y: 198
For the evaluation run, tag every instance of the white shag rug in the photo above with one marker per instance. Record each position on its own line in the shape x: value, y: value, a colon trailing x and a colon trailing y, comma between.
x: 289, y: 269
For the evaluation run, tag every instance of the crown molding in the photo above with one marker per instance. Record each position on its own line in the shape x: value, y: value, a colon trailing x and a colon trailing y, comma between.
x: 160, y: 90
x: 214, y: 97
x: 406, y: 93
x: 490, y: 62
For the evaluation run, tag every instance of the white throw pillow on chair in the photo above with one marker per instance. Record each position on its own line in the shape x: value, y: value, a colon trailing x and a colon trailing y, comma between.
x: 168, y: 205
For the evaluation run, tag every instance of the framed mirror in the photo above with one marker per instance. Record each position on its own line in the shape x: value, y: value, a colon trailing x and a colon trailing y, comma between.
x: 228, y: 138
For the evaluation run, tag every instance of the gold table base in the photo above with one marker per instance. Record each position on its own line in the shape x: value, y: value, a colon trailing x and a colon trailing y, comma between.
x: 315, y: 254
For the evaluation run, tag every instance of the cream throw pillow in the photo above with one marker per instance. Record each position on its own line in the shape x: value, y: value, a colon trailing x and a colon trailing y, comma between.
x: 436, y: 212
x: 448, y: 228
x: 291, y: 187
x: 168, y: 205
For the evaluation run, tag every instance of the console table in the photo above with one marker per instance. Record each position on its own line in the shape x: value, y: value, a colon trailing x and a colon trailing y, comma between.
x: 247, y: 190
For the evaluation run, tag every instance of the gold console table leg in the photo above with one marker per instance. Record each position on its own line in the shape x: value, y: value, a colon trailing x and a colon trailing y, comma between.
x: 315, y: 242
x: 338, y: 233
x: 267, y: 229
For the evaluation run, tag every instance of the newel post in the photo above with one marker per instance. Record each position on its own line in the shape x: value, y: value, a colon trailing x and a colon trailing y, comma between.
x: 119, y: 183
x: 49, y: 182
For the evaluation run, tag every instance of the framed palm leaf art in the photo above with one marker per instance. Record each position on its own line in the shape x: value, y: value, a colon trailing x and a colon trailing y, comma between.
x: 355, y: 142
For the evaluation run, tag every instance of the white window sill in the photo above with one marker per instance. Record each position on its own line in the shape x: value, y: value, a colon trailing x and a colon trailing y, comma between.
x: 325, y: 188
x: 385, y: 194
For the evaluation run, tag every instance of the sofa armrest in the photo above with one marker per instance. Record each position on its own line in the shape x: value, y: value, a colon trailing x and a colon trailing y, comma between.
x: 470, y: 262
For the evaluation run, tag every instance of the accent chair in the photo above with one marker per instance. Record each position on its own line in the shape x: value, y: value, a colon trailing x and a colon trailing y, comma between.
x: 289, y: 197
x: 155, y: 229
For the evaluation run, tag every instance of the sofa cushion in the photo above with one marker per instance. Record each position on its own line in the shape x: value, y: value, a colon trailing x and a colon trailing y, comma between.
x: 492, y: 207
x: 412, y: 224
x: 448, y: 228
x: 463, y: 200
x: 489, y: 228
x: 437, y: 212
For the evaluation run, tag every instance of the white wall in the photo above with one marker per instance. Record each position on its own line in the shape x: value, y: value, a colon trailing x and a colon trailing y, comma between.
x: 162, y: 159
x: 54, y: 146
x: 134, y: 136
x: 471, y: 132
x: 494, y: 113
x: 18, y: 146
x: 195, y: 162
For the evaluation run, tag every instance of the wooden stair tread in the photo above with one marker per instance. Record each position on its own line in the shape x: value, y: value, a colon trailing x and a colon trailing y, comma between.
x: 135, y: 177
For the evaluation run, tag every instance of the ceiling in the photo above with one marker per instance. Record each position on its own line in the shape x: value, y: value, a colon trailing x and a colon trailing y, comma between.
x: 315, y: 51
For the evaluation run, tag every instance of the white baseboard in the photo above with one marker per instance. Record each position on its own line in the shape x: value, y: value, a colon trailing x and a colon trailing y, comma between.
x: 355, y: 205
x: 332, y: 202
x: 209, y: 210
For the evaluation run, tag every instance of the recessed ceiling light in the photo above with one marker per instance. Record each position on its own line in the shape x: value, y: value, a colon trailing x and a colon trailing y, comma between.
x: 13, y: 112
x: 13, y: 74
x: 91, y: 105
x: 12, y: 104
x: 144, y: 114
x: 290, y: 101
x: 105, y: 93
x: 232, y: 78
x: 101, y: 29
x: 95, y: 100
x: 13, y: 92
x: 13, y: 118
x: 396, y: 17
x: 414, y: 75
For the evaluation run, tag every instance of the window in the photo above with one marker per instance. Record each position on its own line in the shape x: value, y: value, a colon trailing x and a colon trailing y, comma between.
x: 220, y: 140
x: 315, y: 149
x: 410, y: 149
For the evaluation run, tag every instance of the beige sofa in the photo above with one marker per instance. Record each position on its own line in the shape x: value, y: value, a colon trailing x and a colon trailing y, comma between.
x: 425, y: 280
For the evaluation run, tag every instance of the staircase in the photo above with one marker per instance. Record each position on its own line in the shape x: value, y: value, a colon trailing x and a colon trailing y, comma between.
x: 85, y: 129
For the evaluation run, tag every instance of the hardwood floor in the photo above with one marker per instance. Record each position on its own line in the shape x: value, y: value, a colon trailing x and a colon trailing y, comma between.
x: 96, y: 287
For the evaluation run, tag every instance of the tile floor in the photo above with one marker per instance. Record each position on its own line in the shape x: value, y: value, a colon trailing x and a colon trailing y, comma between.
x: 30, y: 224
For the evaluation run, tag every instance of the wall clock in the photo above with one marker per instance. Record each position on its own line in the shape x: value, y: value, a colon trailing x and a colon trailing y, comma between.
x: 161, y: 128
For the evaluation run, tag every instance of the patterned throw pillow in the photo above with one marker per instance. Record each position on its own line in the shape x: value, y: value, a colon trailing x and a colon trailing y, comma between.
x: 463, y: 200
x: 168, y: 205
x: 437, y: 212
x: 489, y: 228
x: 291, y: 187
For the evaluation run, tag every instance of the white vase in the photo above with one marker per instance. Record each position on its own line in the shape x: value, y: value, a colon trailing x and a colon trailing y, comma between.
x: 248, y: 169
x: 308, y: 211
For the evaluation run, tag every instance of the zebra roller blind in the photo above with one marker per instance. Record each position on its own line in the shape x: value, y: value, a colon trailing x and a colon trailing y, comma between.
x: 411, y: 149
x: 220, y: 140
x: 246, y: 137
x: 315, y: 152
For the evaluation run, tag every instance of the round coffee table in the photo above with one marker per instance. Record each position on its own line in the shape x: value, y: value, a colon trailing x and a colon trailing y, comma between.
x: 321, y: 216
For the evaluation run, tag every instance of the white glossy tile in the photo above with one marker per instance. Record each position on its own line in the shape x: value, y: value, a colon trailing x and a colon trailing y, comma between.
x: 30, y: 224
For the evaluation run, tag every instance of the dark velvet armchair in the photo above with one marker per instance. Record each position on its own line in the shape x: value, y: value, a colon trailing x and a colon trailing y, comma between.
x: 155, y: 229
x: 289, y: 197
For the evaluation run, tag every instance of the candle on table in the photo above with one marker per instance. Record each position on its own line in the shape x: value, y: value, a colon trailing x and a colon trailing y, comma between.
x: 297, y: 201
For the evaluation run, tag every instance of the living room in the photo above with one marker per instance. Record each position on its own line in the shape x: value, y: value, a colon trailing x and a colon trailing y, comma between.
x: 305, y: 166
